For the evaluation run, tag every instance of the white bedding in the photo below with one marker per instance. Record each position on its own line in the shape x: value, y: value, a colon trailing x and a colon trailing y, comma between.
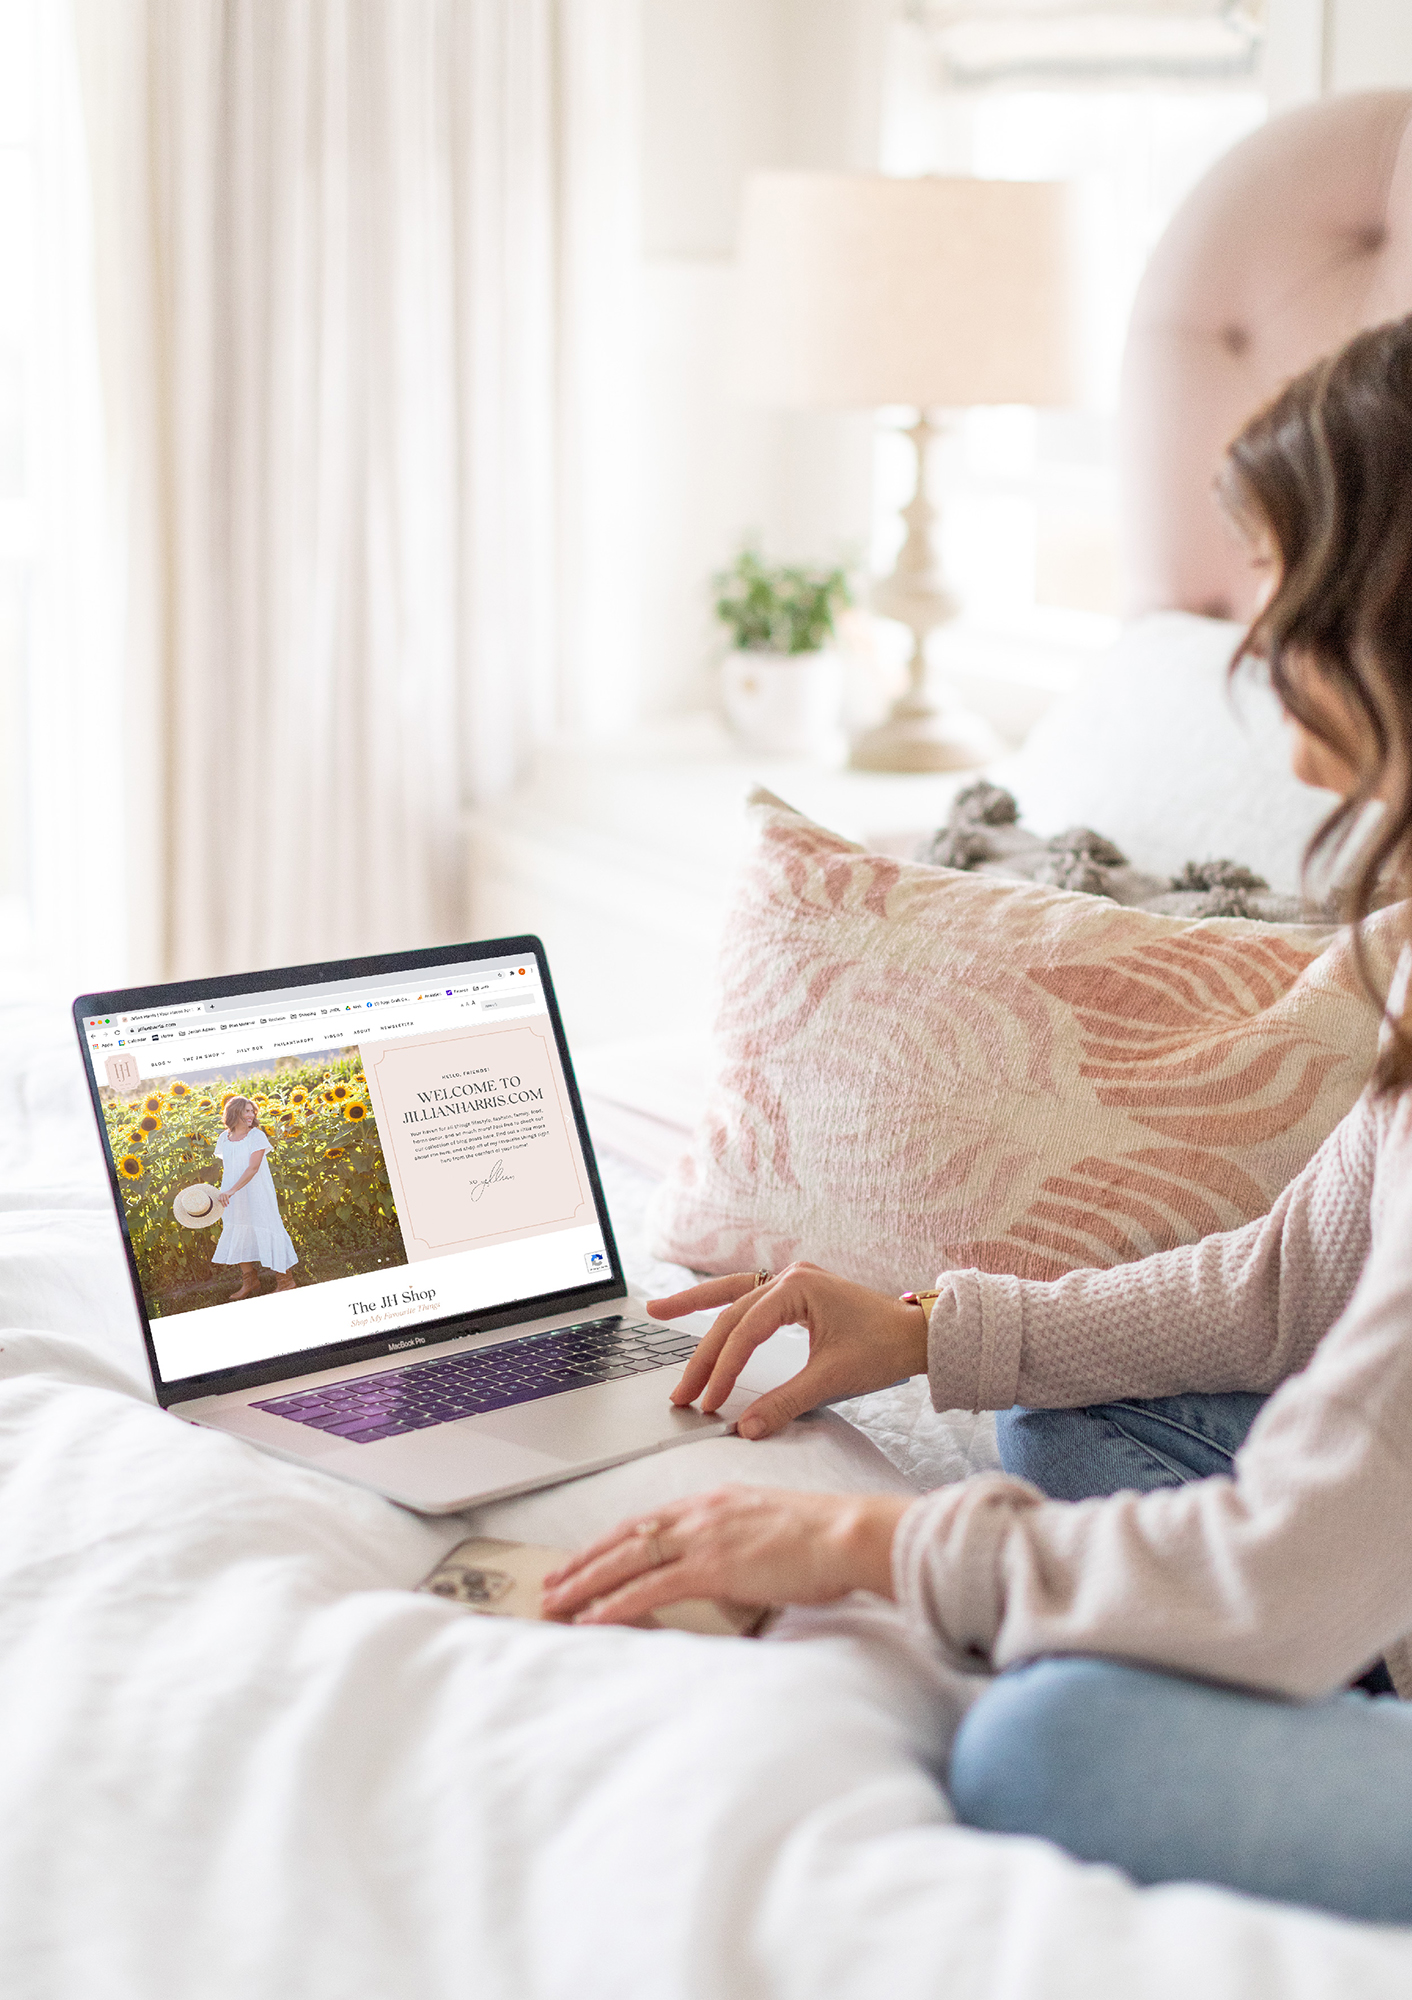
x: 240, y: 1758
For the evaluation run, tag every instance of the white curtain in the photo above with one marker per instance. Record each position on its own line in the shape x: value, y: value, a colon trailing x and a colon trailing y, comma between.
x: 348, y: 284
x: 62, y: 780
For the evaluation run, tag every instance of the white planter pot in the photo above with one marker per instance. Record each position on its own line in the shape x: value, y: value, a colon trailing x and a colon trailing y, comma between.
x: 785, y: 702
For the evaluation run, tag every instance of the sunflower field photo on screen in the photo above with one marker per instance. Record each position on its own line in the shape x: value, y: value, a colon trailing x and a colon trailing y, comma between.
x: 326, y: 1160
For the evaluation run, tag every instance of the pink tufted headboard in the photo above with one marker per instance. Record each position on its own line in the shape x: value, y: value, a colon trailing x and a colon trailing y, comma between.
x: 1297, y: 238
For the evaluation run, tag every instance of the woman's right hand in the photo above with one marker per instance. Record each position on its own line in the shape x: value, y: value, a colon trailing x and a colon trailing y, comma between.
x: 858, y: 1340
x: 223, y: 1201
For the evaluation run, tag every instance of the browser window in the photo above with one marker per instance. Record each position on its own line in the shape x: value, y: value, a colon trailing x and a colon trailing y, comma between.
x: 306, y: 1167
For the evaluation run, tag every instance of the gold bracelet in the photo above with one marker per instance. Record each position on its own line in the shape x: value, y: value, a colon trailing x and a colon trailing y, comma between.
x: 926, y: 1300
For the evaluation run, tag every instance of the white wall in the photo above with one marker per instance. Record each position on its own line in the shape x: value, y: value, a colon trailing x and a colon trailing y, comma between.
x: 1370, y: 44
x: 1318, y: 46
x: 732, y: 86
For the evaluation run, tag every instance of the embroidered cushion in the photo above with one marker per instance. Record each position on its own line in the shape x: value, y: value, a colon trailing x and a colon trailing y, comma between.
x: 919, y: 1069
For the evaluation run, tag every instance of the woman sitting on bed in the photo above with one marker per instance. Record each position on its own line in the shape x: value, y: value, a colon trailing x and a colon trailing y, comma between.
x: 1180, y: 1579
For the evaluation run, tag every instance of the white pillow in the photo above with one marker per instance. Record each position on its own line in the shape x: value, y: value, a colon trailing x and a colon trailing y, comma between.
x: 1158, y: 753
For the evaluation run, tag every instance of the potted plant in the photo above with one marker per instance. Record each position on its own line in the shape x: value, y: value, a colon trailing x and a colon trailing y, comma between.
x: 782, y: 680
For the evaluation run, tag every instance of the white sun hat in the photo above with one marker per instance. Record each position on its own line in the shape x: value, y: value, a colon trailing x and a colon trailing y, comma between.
x: 196, y: 1207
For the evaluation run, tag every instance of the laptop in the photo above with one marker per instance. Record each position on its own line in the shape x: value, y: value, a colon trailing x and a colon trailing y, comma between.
x: 412, y: 1281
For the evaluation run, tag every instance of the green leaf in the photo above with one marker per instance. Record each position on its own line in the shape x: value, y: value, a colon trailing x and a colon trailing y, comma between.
x: 789, y: 609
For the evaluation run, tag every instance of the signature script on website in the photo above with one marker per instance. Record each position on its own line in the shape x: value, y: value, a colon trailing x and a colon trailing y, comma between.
x: 497, y: 1173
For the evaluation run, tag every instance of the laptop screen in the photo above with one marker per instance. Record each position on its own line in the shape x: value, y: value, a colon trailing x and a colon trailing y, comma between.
x: 344, y: 1163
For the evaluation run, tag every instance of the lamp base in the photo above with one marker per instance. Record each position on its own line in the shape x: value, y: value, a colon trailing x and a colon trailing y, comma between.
x: 929, y: 740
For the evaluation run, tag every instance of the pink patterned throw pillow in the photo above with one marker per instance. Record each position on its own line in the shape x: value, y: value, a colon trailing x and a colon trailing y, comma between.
x: 919, y: 1069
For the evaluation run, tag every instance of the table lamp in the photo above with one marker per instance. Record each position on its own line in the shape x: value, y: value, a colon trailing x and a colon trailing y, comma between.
x: 858, y: 290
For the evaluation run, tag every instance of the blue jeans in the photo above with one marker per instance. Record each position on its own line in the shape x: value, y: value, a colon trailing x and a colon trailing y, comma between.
x: 1174, y: 1780
x: 1128, y: 1447
x: 1179, y: 1780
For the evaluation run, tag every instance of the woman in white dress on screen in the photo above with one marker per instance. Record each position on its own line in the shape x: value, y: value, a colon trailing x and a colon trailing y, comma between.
x: 252, y: 1232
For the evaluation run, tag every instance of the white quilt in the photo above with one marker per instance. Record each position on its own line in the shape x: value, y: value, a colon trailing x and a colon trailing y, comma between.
x: 240, y: 1758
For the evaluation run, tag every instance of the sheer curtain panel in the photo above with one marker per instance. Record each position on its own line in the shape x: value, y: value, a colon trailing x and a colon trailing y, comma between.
x: 331, y: 239
x: 62, y: 776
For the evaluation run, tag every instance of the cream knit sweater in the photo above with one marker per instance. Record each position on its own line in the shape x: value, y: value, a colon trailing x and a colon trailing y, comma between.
x: 1291, y: 1576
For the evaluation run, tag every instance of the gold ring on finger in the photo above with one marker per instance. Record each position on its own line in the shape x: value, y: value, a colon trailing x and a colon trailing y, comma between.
x: 763, y: 1277
x: 651, y: 1533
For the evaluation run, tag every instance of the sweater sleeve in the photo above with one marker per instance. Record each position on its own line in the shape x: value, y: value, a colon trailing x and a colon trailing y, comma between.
x: 1290, y: 1576
x: 1243, y: 1310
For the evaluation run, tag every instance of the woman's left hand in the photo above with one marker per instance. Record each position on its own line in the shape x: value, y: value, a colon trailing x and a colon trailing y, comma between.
x: 740, y: 1544
x: 223, y: 1201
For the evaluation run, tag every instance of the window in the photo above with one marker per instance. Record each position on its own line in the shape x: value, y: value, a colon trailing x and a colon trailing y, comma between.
x: 1014, y: 43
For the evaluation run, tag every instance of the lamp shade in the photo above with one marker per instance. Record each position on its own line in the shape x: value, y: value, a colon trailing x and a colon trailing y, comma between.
x: 860, y: 289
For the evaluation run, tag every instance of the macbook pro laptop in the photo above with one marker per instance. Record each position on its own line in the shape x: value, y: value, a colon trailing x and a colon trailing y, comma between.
x: 414, y: 1284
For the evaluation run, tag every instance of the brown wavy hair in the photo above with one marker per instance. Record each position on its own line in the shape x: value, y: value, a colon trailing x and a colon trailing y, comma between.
x: 236, y: 1104
x: 1325, y: 473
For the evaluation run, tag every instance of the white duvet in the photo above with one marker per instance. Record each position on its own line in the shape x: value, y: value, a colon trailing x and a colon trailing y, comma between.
x: 240, y: 1757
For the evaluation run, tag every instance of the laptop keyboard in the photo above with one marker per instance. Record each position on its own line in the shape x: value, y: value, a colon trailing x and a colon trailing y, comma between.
x: 447, y: 1387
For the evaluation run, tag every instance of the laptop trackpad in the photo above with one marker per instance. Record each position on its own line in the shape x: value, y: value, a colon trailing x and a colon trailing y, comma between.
x: 608, y: 1419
